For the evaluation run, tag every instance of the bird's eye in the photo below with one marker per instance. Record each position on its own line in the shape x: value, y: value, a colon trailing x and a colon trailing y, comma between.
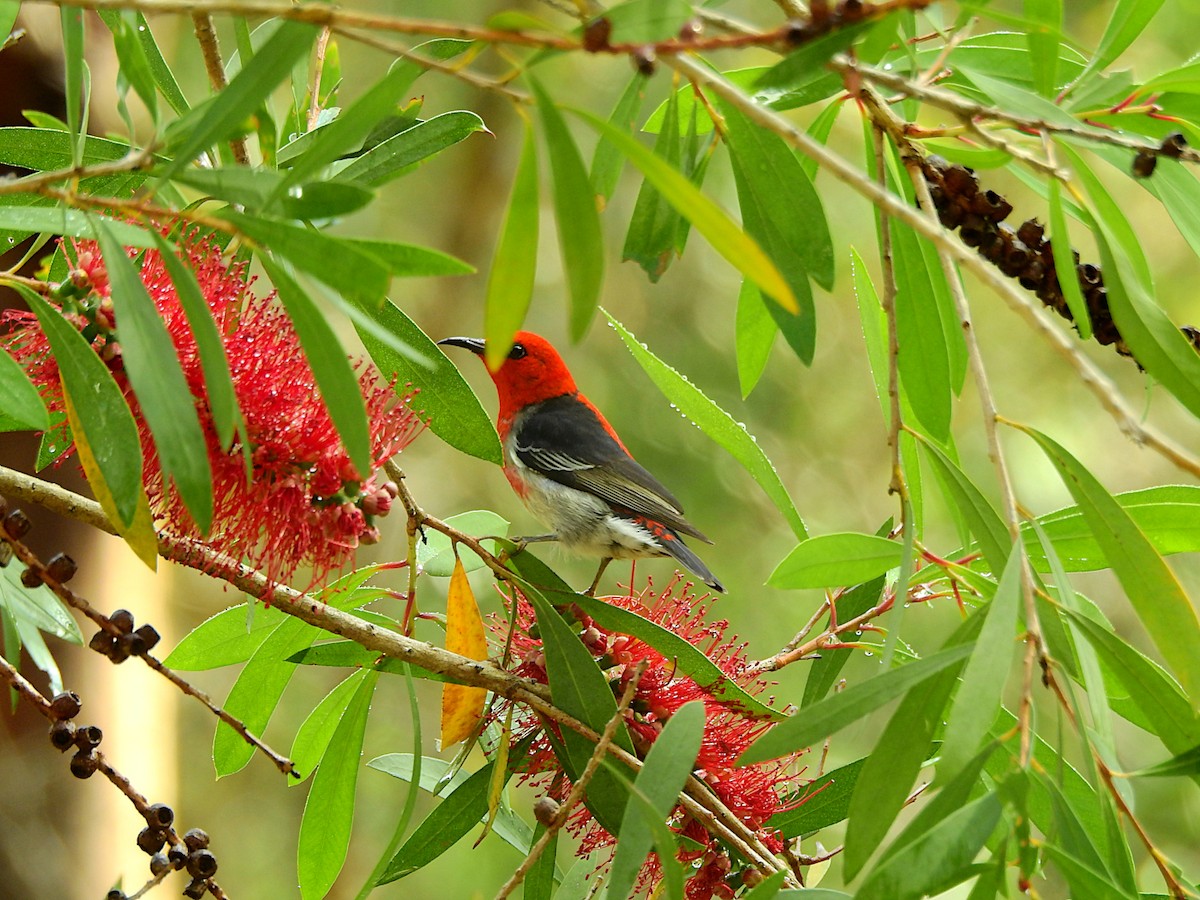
x: 518, y: 351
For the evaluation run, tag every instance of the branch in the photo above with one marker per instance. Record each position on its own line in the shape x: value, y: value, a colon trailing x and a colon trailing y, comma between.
x: 206, y: 36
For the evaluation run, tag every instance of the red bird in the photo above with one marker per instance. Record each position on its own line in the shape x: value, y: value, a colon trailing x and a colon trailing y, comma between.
x: 571, y: 470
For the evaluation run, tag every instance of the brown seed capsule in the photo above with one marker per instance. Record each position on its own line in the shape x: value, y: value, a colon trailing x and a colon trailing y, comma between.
x: 62, y: 735
x: 61, y: 568
x: 1031, y: 232
x: 195, y: 890
x: 65, y: 705
x: 1173, y: 145
x: 545, y: 809
x: 115, y: 894
x: 84, y: 764
x: 196, y: 839
x: 17, y: 524
x: 159, y: 864
x: 201, y: 864
x: 177, y: 855
x: 123, y: 619
x: 88, y: 737
x: 151, y: 840
x: 159, y: 816
x: 101, y: 642
x: 148, y: 635
x: 132, y: 644
x: 596, y: 34
x: 31, y: 579
x: 643, y: 60
x: 1144, y: 163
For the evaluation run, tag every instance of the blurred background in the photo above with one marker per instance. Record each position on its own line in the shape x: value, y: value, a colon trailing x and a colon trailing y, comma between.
x: 820, y: 425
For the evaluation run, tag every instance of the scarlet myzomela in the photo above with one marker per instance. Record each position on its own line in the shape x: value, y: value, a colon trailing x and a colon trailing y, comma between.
x: 571, y: 470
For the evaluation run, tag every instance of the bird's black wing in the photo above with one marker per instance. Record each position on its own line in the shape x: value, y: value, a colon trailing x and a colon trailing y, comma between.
x: 565, y: 441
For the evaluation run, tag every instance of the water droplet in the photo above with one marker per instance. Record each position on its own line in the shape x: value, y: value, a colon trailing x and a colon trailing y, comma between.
x: 869, y: 653
x: 858, y: 633
x: 296, y: 191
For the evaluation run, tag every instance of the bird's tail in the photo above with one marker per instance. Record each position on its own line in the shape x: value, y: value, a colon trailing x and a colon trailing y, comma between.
x: 690, y: 561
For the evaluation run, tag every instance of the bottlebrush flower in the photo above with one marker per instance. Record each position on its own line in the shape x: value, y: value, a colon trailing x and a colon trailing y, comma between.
x: 753, y: 793
x: 304, y: 503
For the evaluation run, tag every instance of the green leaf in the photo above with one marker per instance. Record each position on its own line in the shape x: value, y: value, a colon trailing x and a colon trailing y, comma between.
x: 1153, y: 590
x: 1167, y: 709
x: 708, y: 218
x: 579, y: 236
x: 442, y: 828
x: 937, y: 858
x: 329, y: 812
x: 608, y: 160
x: 579, y: 688
x: 1185, y: 763
x: 76, y: 76
x: 655, y: 223
x: 164, y: 397
x: 514, y: 264
x: 823, y: 672
x: 398, y: 154
x: 163, y: 77
x: 1064, y: 261
x: 69, y: 223
x: 20, y: 402
x: 978, y: 698
x: 981, y: 517
x: 218, y: 382
x: 785, y: 203
x: 755, y: 335
x: 1084, y: 880
x: 670, y: 761
x: 241, y: 98
x: 647, y: 21
x: 223, y: 639
x: 254, y: 188
x: 435, y: 554
x: 827, y: 803
x: 446, y: 400
x: 38, y: 606
x: 318, y: 727
x: 330, y: 367
x: 827, y: 716
x: 805, y: 65
x: 1045, y: 26
x: 131, y: 56
x: 1125, y: 23
x: 688, y: 660
x: 831, y: 560
x: 717, y: 424
x: 539, y: 883
x: 101, y: 410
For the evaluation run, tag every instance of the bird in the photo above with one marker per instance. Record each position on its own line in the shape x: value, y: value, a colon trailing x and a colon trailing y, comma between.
x: 572, y: 471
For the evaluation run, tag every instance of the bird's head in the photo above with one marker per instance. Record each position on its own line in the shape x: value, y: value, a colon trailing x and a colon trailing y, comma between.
x: 530, y: 373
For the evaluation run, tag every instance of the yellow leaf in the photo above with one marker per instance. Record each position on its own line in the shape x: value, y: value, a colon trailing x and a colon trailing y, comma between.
x: 462, y: 705
x: 499, y: 778
x: 139, y: 533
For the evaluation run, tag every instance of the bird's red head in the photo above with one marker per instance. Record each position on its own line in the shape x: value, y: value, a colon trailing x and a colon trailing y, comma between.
x: 532, y: 372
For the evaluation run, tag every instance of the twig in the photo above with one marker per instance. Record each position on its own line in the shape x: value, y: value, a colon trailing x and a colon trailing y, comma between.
x: 314, y: 79
x: 130, y: 162
x: 206, y: 36
x: 1127, y: 419
x: 580, y: 785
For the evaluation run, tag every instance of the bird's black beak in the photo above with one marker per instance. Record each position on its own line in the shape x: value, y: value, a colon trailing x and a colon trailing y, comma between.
x: 475, y: 345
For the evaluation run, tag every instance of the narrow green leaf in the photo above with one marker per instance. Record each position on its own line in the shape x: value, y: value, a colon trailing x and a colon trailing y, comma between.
x: 831, y: 560
x: 717, y: 424
x: 1084, y: 880
x: 651, y: 240
x: 668, y: 765
x: 1186, y: 763
x: 827, y: 803
x: 1168, y: 710
x: 453, y: 411
x: 218, y: 382
x: 804, y: 65
x: 104, y: 417
x: 579, y: 688
x: 245, y: 93
x: 330, y: 366
x: 755, y: 335
x: 1153, y: 590
x: 152, y: 364
x: 398, y: 154
x: 38, y: 607
x: 442, y: 828
x: 163, y: 77
x: 978, y: 698
x: 20, y: 402
x: 823, y: 672
x: 9, y: 10
x: 436, y: 554
x: 1064, y: 261
x: 708, y: 218
x: 1127, y: 20
x: 827, y: 716
x: 329, y: 811
x: 75, y: 74
x: 131, y: 56
x: 539, y: 883
x: 579, y: 236
x: 69, y: 223
x: 315, y: 732
x: 937, y: 858
x: 1045, y: 26
x: 608, y: 159
x: 514, y: 264
x: 979, y: 514
x: 223, y: 640
x: 688, y: 660
x: 647, y: 21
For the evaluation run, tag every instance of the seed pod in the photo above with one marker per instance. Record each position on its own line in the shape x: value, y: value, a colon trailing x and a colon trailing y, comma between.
x: 151, y: 840
x: 148, y: 635
x: 201, y: 864
x: 196, y: 839
x: 61, y: 568
x: 17, y: 524
x: 65, y: 705
x: 1144, y: 163
x: 545, y: 810
x: 159, y: 816
x: 159, y: 864
x: 84, y: 764
x: 195, y: 890
x: 123, y: 620
x: 62, y: 735
x: 88, y: 737
x: 31, y: 579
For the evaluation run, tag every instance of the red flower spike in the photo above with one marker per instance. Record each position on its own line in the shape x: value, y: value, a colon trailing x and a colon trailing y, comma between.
x: 753, y: 793
x: 304, y: 504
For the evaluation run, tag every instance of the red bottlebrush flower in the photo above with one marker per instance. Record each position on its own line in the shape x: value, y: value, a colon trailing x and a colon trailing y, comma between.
x: 304, y: 503
x: 753, y: 793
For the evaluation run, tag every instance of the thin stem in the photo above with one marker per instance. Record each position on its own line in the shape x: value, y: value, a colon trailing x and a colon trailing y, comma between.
x: 206, y: 36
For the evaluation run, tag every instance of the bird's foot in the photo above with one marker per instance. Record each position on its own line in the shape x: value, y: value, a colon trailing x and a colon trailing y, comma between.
x: 591, y: 592
x: 521, y: 542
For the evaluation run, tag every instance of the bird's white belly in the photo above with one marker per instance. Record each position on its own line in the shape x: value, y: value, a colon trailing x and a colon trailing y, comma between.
x: 585, y: 524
